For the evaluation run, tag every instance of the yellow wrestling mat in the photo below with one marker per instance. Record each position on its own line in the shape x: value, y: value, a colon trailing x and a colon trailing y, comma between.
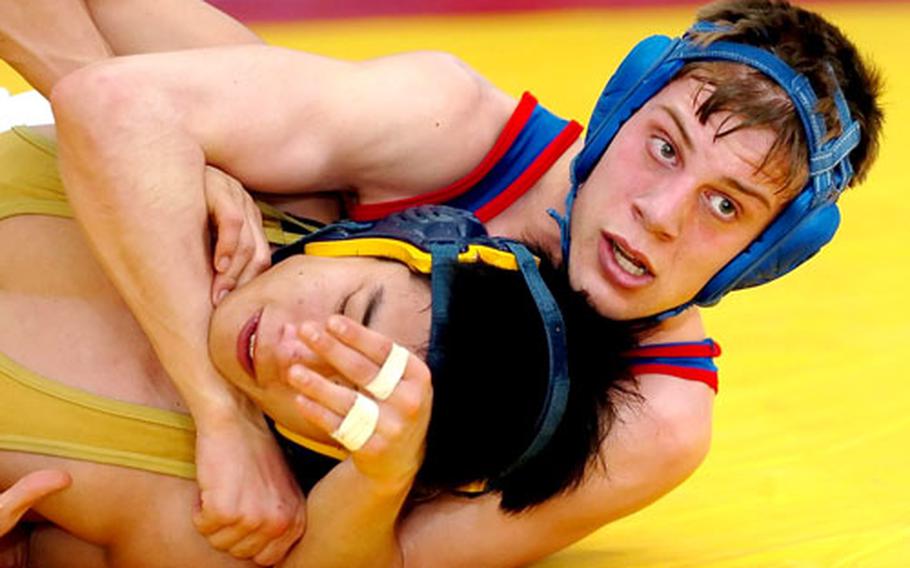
x: 810, y: 464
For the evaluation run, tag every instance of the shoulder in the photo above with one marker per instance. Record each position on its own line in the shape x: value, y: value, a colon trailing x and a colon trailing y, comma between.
x: 667, y: 431
x: 440, y: 88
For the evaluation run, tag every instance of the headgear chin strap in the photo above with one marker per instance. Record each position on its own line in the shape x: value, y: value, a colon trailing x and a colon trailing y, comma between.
x: 806, y: 224
x: 433, y: 239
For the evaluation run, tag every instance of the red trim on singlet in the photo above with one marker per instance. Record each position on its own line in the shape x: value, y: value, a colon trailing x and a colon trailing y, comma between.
x: 534, y: 172
x: 678, y: 371
x: 686, y: 350
x: 373, y: 211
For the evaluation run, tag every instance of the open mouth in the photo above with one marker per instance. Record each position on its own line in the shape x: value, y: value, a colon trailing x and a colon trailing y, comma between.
x: 622, y: 264
x: 627, y: 260
x: 246, y: 344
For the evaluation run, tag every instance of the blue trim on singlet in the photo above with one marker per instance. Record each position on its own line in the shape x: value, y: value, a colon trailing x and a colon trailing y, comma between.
x: 539, y: 132
x: 705, y: 363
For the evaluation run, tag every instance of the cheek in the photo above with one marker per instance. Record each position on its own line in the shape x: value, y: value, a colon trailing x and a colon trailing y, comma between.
x: 704, y: 253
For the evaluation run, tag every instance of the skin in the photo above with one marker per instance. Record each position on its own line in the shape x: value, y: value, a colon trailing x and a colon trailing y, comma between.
x: 383, y: 295
x: 440, y: 103
x: 54, y: 286
x: 676, y: 199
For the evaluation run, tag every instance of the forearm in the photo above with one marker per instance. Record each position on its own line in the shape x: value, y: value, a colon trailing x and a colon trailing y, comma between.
x: 43, y: 40
x: 140, y: 26
x: 142, y: 208
x: 352, y: 522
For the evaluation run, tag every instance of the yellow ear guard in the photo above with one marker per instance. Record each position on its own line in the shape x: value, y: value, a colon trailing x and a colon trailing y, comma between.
x: 434, y: 240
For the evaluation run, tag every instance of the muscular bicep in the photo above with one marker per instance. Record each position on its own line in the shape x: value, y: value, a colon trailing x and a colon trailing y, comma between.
x: 284, y: 121
x: 652, y: 448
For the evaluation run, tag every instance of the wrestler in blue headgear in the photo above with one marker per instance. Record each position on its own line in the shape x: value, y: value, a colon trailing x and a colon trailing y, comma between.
x: 441, y: 242
x: 806, y: 224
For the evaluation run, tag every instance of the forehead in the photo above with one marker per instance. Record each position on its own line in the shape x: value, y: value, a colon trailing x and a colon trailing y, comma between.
x: 749, y: 152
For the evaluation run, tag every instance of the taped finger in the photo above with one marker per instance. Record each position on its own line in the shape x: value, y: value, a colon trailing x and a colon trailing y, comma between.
x: 358, y: 425
x: 390, y: 374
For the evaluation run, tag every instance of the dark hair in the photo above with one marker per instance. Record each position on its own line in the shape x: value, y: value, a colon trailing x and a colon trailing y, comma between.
x: 811, y: 46
x: 490, y: 383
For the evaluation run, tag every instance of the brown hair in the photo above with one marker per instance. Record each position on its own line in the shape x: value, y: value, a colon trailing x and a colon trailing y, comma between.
x: 811, y: 46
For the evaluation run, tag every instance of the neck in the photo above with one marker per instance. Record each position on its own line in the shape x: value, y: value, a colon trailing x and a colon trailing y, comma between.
x: 527, y: 219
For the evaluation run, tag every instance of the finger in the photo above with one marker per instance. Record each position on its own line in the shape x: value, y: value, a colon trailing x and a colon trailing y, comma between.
x: 375, y: 346
x: 209, y: 519
x: 228, y: 537
x: 370, y: 343
x: 229, y: 227
x: 26, y: 492
x: 353, y: 365
x: 221, y: 286
x: 333, y: 397
x: 275, y: 550
x: 291, y: 350
x: 249, y: 546
x: 261, y: 258
x: 318, y: 415
x: 243, y: 253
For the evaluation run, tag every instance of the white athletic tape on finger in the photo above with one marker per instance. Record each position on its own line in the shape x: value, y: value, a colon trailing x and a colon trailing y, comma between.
x: 390, y: 373
x: 358, y: 424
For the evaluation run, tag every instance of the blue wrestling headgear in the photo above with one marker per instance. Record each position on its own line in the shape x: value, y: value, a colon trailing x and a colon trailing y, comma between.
x: 433, y: 239
x: 806, y: 224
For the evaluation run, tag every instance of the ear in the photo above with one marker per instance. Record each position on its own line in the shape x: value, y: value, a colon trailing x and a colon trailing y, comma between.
x: 793, y: 238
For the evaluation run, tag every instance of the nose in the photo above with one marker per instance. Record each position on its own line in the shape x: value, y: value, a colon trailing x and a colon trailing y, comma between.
x: 663, y: 209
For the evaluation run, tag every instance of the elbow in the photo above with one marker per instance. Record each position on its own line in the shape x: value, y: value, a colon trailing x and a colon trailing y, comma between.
x: 93, y: 100
x: 683, y: 439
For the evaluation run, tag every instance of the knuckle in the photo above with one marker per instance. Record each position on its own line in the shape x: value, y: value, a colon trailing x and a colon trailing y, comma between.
x: 231, y: 220
x: 217, y: 544
x: 250, y: 521
x: 278, y: 525
x: 394, y: 429
x: 246, y: 248
x: 362, y: 370
x: 222, y: 514
x: 410, y: 404
x: 418, y: 372
x: 385, y: 347
x: 374, y: 449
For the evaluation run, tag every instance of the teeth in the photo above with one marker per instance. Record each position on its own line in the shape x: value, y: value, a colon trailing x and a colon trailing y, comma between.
x: 252, y: 345
x: 626, y: 263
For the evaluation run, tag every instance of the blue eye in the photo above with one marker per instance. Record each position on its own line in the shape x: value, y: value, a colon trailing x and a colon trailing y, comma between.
x: 723, y: 206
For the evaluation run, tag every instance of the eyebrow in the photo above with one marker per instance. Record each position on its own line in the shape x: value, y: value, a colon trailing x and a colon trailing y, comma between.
x: 754, y: 193
x: 687, y: 141
x: 372, y: 304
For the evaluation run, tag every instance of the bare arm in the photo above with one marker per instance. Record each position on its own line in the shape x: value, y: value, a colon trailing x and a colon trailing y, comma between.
x: 44, y: 40
x: 284, y: 121
x: 139, y: 26
x: 652, y: 449
x: 655, y: 444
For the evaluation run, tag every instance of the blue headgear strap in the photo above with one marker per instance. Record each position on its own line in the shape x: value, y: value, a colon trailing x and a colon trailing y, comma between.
x: 445, y: 232
x: 554, y: 405
x: 805, y: 224
x: 445, y: 258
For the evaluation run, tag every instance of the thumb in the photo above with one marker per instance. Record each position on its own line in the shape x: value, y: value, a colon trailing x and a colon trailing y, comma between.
x: 16, y: 500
